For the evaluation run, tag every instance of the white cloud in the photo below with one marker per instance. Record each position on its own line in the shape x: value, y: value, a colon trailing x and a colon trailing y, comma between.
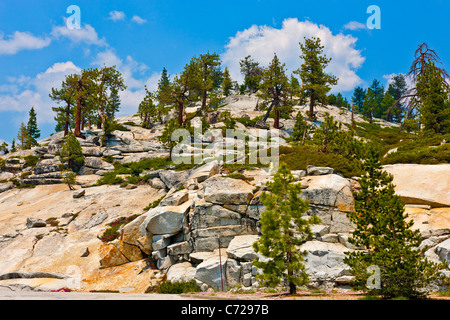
x: 33, y: 92
x: 116, y: 15
x: 19, y: 41
x: 261, y: 42
x: 355, y: 25
x: 138, y: 20
x: 86, y: 34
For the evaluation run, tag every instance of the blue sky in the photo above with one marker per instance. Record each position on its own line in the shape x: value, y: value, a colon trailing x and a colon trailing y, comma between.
x: 141, y: 37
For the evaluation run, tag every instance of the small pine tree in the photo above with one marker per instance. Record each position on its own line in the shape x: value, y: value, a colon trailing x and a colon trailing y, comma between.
x: 166, y: 137
x: 381, y: 227
x: 32, y: 128
x: 283, y: 229
x: 13, y: 146
x: 300, y: 128
x: 23, y: 137
x: 69, y: 178
x: 227, y: 83
x: 71, y: 152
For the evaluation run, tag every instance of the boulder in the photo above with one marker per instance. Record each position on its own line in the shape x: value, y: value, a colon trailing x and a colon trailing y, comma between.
x: 79, y: 193
x: 318, y: 171
x: 176, y: 199
x: 204, y: 172
x: 171, y: 178
x: 241, y: 248
x: 110, y: 256
x: 431, y: 183
x: 324, y: 262
x: 6, y: 186
x: 164, y: 220
x: 180, y: 248
x: 92, y: 151
x: 329, y: 190
x: 96, y: 163
x: 4, y: 176
x: 209, y: 272
x: 183, y: 271
x: 443, y: 251
x: 46, y: 169
x: 157, y: 183
x: 223, y: 190
x: 35, y: 223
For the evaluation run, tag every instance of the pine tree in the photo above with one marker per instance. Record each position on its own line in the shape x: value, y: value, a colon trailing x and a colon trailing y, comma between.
x: 283, y: 230
x: 164, y: 90
x: 369, y: 105
x: 32, y: 128
x: 386, y: 106
x: 69, y: 178
x: 209, y: 76
x: 23, y: 137
x: 435, y: 105
x: 4, y: 148
x: 315, y: 82
x: 300, y: 128
x: 252, y: 73
x: 13, y: 145
x: 274, y: 87
x: 359, y: 94
x: 383, y: 230
x: 166, y: 137
x: 71, y: 152
x: 227, y: 83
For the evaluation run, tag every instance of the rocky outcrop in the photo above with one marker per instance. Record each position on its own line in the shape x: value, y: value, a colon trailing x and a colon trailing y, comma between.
x: 431, y: 183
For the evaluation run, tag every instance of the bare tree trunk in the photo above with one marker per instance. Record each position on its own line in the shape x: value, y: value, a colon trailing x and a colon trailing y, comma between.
x: 77, y: 131
x: 312, y: 102
x: 276, y: 123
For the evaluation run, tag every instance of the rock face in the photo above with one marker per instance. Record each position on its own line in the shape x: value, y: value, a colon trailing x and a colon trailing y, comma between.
x: 431, y: 183
x: 222, y: 190
x: 166, y: 220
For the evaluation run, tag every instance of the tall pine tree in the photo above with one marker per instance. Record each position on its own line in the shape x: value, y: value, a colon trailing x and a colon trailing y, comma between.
x: 33, y: 132
x: 315, y: 82
x: 382, y: 228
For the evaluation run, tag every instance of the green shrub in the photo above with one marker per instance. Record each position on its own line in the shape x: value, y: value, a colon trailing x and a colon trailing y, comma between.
x: 31, y: 161
x: 178, y: 287
x: 112, y: 232
x: 153, y: 204
x: 239, y: 176
x: 109, y: 178
x: 300, y: 157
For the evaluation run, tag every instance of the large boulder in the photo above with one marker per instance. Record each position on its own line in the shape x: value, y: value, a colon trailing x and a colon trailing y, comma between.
x: 181, y: 272
x: 209, y: 272
x: 166, y: 220
x: 223, y: 190
x: 324, y: 262
x: 204, y: 172
x: 171, y: 178
x: 241, y: 248
x: 443, y: 251
x: 96, y: 163
x: 329, y: 190
x: 431, y: 184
